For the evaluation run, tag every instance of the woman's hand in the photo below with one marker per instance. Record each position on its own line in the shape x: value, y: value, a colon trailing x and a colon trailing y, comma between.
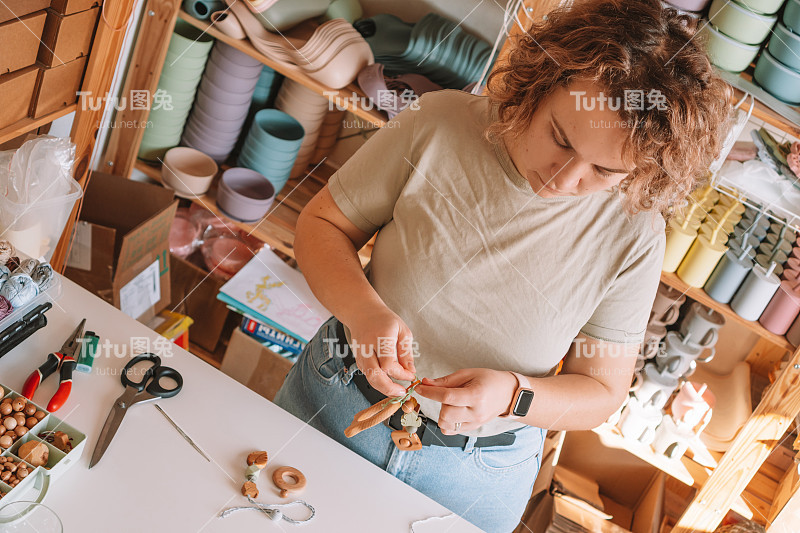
x: 471, y: 396
x: 377, y: 330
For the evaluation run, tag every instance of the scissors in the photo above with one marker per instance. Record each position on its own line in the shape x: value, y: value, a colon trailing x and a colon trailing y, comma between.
x: 147, y: 389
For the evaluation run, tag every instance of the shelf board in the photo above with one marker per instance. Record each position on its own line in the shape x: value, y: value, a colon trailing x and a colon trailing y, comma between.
x: 344, y: 98
x: 700, y: 295
x: 277, y: 228
x: 27, y: 124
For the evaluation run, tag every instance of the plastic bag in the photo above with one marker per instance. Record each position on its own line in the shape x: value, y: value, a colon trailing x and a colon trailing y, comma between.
x: 38, y: 193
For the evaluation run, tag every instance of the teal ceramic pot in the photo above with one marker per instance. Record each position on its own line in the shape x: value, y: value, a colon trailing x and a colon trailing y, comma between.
x: 784, y: 46
x: 276, y: 129
x: 778, y: 79
x: 764, y: 7
x: 739, y: 22
x: 791, y: 15
x: 727, y: 53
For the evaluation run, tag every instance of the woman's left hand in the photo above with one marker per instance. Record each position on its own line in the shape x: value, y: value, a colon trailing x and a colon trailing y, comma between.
x: 471, y: 396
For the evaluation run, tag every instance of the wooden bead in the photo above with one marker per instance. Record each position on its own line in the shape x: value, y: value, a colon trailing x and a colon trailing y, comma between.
x: 410, y: 405
x: 297, y: 483
x: 249, y: 489
x: 257, y: 458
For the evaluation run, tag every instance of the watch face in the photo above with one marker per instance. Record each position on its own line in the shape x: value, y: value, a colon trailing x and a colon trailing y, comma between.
x: 523, y: 404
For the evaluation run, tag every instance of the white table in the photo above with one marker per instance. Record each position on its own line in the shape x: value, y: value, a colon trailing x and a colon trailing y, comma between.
x: 151, y: 479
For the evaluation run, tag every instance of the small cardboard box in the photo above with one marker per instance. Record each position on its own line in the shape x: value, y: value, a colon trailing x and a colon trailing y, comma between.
x: 16, y: 92
x: 67, y: 37
x: 57, y: 87
x: 15, y: 9
x: 121, y: 247
x: 19, y: 41
x: 255, y: 366
x: 68, y: 7
x: 194, y: 293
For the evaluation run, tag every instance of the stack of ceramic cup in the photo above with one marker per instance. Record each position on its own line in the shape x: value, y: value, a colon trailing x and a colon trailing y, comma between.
x: 665, y: 312
x: 778, y: 68
x: 309, y: 109
x: 738, y: 261
x: 271, y: 146
x: 187, y: 54
x: 736, y: 30
x: 434, y: 47
x: 690, y: 413
x: 266, y: 89
x: 328, y: 135
x: 705, y: 234
x: 223, y: 101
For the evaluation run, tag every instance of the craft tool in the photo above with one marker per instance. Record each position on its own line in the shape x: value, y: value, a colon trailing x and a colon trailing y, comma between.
x: 64, y: 361
x: 23, y: 328
x: 88, y: 350
x: 147, y: 389
x: 183, y: 434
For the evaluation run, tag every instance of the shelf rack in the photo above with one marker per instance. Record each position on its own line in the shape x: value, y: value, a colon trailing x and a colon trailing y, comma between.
x: 27, y: 124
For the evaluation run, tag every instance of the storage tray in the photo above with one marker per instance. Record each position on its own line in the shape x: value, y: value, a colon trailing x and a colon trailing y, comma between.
x: 52, y: 294
x: 34, y: 487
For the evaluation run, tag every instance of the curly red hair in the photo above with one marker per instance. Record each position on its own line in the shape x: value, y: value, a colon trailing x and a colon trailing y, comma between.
x: 624, y: 45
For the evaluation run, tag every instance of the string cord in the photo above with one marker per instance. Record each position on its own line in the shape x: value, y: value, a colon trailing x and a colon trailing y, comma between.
x: 272, y: 511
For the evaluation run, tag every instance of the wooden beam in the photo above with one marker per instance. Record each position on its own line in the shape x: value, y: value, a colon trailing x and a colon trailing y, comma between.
x: 147, y: 60
x: 765, y: 356
x: 757, y: 438
x: 100, y: 68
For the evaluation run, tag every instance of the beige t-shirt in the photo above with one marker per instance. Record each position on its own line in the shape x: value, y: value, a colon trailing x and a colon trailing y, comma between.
x: 486, y: 273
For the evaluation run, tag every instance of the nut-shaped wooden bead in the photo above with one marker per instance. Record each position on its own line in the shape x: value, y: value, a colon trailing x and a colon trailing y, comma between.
x: 18, y: 404
x: 30, y: 422
x: 29, y: 410
x: 20, y: 430
x: 10, y: 422
x: 5, y: 409
x: 249, y: 489
x: 20, y: 418
x: 39, y: 415
x: 34, y: 452
x: 258, y: 458
x: 5, y: 476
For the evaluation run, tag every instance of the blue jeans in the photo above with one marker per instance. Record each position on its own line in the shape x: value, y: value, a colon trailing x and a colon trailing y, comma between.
x: 488, y: 486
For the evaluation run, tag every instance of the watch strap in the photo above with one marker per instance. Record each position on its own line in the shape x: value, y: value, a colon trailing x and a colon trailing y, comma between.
x: 523, y: 384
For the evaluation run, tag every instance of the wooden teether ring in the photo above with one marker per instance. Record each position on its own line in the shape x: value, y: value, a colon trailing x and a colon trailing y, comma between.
x: 297, y: 483
x: 372, y: 415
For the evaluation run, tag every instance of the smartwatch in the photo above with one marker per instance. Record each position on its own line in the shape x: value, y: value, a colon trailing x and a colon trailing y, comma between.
x: 523, y: 398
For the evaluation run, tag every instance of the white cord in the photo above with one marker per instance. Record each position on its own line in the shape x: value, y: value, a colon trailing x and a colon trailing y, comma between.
x: 507, y: 17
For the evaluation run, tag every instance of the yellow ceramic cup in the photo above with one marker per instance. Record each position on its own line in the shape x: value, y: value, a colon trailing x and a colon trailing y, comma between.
x: 700, y: 261
x: 679, y: 239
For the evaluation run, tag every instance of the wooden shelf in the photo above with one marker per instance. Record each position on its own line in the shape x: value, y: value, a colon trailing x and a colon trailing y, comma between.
x: 344, y: 98
x: 700, y: 295
x: 27, y: 124
x: 277, y: 228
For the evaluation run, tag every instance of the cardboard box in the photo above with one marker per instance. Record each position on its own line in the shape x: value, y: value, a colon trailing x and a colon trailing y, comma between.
x: 121, y: 247
x: 16, y: 92
x: 57, y: 87
x: 19, y: 41
x: 67, y: 37
x: 253, y: 365
x: 15, y: 9
x: 68, y: 7
x: 194, y: 293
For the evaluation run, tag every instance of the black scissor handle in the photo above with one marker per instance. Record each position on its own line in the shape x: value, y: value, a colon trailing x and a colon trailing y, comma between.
x: 155, y: 387
x: 140, y: 384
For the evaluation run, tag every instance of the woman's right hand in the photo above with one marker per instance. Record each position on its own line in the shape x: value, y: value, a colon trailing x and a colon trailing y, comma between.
x: 382, y: 346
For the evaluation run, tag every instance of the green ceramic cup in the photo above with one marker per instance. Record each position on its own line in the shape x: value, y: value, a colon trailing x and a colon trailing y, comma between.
x: 785, y: 46
x: 778, y: 79
x: 727, y: 53
x: 764, y: 7
x: 791, y: 15
x: 739, y: 22
x: 189, y: 41
x: 350, y: 10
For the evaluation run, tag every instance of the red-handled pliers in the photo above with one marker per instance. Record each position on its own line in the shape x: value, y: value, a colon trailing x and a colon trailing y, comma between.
x: 65, y: 359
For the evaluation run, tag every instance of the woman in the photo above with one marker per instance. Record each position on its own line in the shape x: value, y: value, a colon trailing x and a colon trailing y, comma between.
x: 514, y: 232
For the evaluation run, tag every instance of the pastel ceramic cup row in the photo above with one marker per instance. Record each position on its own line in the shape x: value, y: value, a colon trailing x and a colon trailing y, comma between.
x: 223, y: 101
x: 187, y: 54
x: 271, y: 146
x: 778, y: 68
x: 736, y: 29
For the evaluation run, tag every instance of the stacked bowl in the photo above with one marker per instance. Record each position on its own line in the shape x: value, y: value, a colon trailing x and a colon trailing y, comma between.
x: 271, y: 146
x: 736, y: 30
x: 778, y: 68
x: 435, y: 47
x: 187, y: 54
x: 244, y: 194
x: 309, y: 109
x: 328, y: 135
x: 223, y: 101
x: 266, y: 88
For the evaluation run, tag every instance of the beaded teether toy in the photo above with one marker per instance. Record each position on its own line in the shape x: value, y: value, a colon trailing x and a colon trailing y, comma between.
x: 405, y: 439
